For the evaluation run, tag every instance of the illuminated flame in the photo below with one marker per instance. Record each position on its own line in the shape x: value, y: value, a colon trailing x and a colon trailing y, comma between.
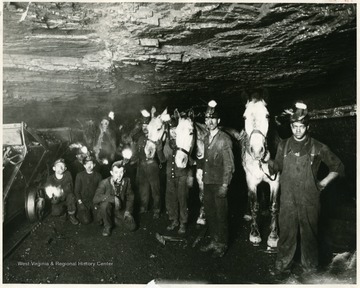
x: 84, y: 149
x: 52, y: 191
x: 127, y: 153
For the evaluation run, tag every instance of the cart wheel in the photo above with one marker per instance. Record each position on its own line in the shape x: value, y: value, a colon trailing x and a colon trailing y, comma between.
x: 35, y: 205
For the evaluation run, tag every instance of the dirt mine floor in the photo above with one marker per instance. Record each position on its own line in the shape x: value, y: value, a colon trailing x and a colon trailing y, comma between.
x: 59, y: 252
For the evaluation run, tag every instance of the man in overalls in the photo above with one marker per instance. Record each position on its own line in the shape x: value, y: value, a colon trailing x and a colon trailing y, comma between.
x: 298, y: 158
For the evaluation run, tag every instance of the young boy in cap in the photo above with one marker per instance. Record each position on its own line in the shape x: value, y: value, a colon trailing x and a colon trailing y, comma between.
x: 86, y: 183
x: 114, y: 195
x: 59, y: 188
x: 298, y: 158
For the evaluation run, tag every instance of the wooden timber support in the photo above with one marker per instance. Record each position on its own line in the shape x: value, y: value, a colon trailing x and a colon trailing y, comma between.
x: 342, y: 111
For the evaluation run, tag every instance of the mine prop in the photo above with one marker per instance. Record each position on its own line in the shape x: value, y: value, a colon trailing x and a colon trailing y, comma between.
x: 163, y: 239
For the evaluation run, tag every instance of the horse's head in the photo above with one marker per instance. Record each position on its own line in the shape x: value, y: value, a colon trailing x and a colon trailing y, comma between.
x: 256, y: 118
x: 156, y: 132
x: 184, y: 138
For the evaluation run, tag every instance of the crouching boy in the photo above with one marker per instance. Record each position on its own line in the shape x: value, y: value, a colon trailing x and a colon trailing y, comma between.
x: 113, y: 196
x: 59, y: 188
x: 86, y: 183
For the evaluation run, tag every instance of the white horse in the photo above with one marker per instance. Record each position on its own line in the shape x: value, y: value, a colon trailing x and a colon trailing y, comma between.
x: 255, y: 156
x: 156, y: 131
x: 190, y: 135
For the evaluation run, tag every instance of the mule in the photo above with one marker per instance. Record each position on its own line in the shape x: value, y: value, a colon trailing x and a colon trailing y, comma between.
x: 190, y: 136
x: 157, y: 131
x: 255, y: 156
x: 190, y: 141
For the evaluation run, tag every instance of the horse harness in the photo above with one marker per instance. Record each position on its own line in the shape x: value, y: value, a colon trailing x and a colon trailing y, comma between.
x: 261, y: 161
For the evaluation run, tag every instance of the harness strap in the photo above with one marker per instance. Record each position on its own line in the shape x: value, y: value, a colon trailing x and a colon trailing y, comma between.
x: 267, y: 175
x: 162, y: 136
x: 183, y: 150
x: 312, y: 152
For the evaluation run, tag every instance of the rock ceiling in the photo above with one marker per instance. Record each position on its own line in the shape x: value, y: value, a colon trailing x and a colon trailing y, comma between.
x: 93, y: 51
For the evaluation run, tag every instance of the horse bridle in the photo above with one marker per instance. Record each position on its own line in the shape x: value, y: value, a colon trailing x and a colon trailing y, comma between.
x: 183, y: 150
x: 262, y: 160
x: 162, y: 136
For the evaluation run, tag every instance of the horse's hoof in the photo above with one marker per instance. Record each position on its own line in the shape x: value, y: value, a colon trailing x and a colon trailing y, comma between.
x: 255, y: 240
x: 272, y: 242
x: 247, y: 217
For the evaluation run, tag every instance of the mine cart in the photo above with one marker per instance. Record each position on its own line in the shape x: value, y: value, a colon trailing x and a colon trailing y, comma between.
x: 28, y: 155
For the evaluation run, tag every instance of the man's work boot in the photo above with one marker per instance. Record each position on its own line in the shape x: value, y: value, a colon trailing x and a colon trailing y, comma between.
x: 209, y: 247
x: 73, y: 219
x: 182, y: 229
x: 142, y: 210
x: 173, y: 225
x: 156, y: 215
x: 106, y: 232
x: 219, y: 250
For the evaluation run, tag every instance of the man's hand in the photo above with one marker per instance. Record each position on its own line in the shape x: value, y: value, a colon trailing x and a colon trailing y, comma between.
x: 222, y: 191
x: 190, y: 181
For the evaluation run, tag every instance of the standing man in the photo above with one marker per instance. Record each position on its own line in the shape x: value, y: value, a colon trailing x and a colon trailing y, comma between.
x: 298, y: 158
x: 148, y: 179
x: 178, y: 181
x: 218, y: 170
x: 105, y: 146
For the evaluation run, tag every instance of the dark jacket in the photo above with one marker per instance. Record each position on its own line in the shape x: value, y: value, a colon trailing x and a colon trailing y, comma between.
x: 218, y: 159
x: 86, y: 185
x: 66, y: 183
x: 106, y: 192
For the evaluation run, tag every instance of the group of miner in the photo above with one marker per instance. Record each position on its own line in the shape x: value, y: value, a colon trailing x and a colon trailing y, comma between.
x: 90, y: 195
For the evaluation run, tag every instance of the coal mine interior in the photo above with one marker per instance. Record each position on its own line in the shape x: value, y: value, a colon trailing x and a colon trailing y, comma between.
x: 66, y: 65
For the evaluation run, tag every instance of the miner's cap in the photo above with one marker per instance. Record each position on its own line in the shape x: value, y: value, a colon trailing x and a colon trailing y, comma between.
x: 60, y: 160
x: 118, y: 164
x: 145, y: 116
x: 212, y: 110
x: 300, y: 113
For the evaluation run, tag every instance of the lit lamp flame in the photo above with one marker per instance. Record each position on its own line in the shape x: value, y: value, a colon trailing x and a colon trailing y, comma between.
x: 84, y: 150
x: 127, y: 153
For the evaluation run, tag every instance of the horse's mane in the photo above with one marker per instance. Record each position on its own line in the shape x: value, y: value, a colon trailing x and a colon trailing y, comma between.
x: 201, y: 130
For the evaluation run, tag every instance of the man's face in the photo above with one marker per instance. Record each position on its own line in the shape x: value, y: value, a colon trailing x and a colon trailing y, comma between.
x: 89, y: 166
x: 173, y: 133
x: 212, y: 123
x: 104, y: 124
x: 299, y: 130
x: 59, y: 168
x: 144, y: 128
x: 117, y: 173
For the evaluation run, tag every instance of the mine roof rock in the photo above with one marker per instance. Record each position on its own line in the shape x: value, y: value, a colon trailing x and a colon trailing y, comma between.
x: 195, y: 44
